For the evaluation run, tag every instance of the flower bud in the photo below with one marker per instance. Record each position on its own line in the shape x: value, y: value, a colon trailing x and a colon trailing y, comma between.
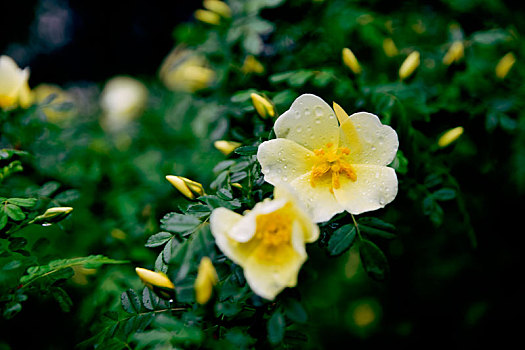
x: 219, y: 7
x: 409, y: 65
x: 157, y: 282
x: 52, y: 215
x: 454, y: 53
x: 184, y: 70
x: 206, y: 279
x: 350, y: 61
x: 450, y: 136
x: 208, y: 17
x: 389, y: 47
x: 504, y: 65
x: 262, y: 105
x: 14, y: 88
x: 226, y: 147
x: 252, y: 65
x: 186, y: 186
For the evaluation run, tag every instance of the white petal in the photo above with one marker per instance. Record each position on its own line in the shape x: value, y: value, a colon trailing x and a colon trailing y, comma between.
x: 283, y: 160
x: 319, y: 201
x: 369, y: 141
x: 269, y: 279
x: 310, y: 122
x: 11, y: 76
x: 375, y: 187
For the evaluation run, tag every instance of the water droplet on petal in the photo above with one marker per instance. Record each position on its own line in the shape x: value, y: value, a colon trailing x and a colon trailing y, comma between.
x: 307, y: 112
x: 318, y: 121
x: 319, y: 111
x: 299, y: 129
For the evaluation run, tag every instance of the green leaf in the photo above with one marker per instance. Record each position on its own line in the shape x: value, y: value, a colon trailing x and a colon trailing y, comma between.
x: 48, y: 188
x: 67, y: 197
x: 376, y: 227
x: 23, y: 202
x: 92, y: 261
x: 63, y: 299
x: 276, y: 326
x: 444, y: 194
x: 158, y: 239
x: 295, y: 311
x: 198, y: 210
x: 14, y: 212
x: 17, y: 243
x: 225, y: 194
x: 341, y: 239
x: 130, y: 302
x: 3, y: 219
x: 373, y: 260
x: 247, y: 150
x: 179, y: 223
x: 12, y: 309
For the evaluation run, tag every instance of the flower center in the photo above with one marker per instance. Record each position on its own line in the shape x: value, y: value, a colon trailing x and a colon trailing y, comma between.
x: 6, y: 101
x: 274, y: 230
x: 332, y: 160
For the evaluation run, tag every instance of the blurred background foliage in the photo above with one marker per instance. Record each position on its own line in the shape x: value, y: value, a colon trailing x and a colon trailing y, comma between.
x: 453, y: 261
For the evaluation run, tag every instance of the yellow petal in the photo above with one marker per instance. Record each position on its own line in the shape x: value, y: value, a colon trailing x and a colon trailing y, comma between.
x: 389, y: 47
x: 219, y: 7
x: 375, y: 187
x: 310, y: 122
x: 262, y: 105
x: 180, y: 185
x: 319, y: 200
x: 454, y: 53
x: 369, y: 141
x: 226, y: 147
x: 340, y: 113
x: 283, y: 160
x: 208, y: 17
x: 268, y: 280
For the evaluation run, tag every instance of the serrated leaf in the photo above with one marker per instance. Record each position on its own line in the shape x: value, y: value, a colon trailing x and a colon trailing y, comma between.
x: 14, y: 212
x: 246, y: 150
x: 63, y: 299
x: 158, y: 239
x: 23, y: 202
x: 295, y: 311
x: 198, y: 210
x: 237, y: 177
x: 179, y: 223
x: 444, y: 194
x: 276, y: 326
x: 130, y: 302
x: 341, y: 239
x: 374, y: 260
x: 240, y: 166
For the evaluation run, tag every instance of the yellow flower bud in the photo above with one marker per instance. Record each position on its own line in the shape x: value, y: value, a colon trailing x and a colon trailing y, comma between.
x: 389, y: 47
x: 252, y: 65
x: 450, y: 136
x: 409, y: 65
x: 262, y: 105
x: 504, y: 65
x: 226, y: 147
x: 186, y: 186
x: 350, y: 61
x: 219, y: 7
x: 14, y: 88
x: 206, y: 279
x: 454, y: 53
x: 237, y: 185
x: 208, y: 17
x: 52, y: 215
x: 157, y: 282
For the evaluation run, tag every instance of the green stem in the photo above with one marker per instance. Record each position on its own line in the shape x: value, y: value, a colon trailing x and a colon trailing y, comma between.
x: 356, y: 227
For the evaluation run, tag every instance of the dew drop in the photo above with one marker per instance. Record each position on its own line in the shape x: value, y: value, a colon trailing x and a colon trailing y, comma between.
x: 299, y: 129
x: 319, y: 111
x: 284, y: 178
x: 297, y: 115
x: 307, y: 112
x: 318, y: 121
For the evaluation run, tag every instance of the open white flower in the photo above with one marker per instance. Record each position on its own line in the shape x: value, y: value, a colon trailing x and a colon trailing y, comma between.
x: 268, y: 242
x: 332, y: 167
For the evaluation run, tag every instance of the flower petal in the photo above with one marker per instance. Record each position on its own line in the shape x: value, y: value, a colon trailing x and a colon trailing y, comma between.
x: 310, y: 122
x: 319, y: 201
x: 269, y: 279
x: 12, y: 76
x: 283, y: 160
x: 375, y: 187
x: 369, y: 141
x: 222, y: 221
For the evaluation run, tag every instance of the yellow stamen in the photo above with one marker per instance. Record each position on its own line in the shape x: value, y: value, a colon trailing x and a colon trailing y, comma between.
x: 274, y: 230
x: 331, y: 159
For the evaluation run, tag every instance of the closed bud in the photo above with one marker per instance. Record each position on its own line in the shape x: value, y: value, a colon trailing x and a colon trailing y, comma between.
x: 237, y: 185
x: 262, y: 105
x: 208, y: 17
x: 389, y: 47
x: 450, y: 136
x: 226, y: 147
x: 350, y: 61
x: 504, y: 65
x: 186, y: 186
x: 219, y: 7
x: 409, y: 65
x: 206, y: 279
x: 454, y: 53
x: 52, y: 215
x: 252, y: 65
x: 157, y: 282
x: 184, y: 70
